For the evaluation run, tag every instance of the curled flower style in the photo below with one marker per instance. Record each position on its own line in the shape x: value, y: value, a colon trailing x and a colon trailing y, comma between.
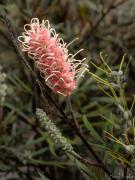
x: 60, y: 69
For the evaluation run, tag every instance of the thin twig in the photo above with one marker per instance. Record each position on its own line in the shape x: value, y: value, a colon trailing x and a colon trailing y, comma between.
x: 80, y: 134
x: 88, y: 162
x: 112, y: 6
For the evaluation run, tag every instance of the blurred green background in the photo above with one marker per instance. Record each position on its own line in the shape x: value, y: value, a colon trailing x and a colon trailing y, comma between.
x: 26, y: 150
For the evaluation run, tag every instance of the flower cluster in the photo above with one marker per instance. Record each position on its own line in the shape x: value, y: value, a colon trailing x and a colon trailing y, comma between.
x: 54, y: 132
x: 60, y: 69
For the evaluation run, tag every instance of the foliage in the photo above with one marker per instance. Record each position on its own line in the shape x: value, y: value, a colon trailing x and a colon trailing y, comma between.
x: 98, y: 119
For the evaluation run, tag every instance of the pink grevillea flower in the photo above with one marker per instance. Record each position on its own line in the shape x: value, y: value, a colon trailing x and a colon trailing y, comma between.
x: 60, y: 69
